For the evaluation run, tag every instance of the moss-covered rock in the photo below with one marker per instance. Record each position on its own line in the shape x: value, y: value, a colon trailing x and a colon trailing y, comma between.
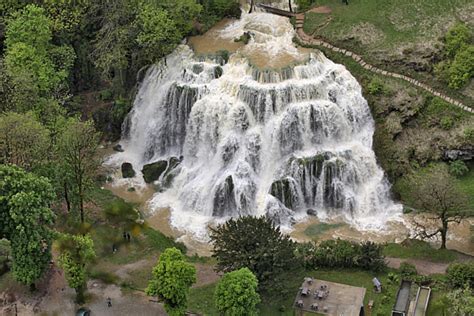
x: 153, y: 171
x: 218, y: 72
x: 127, y: 170
x: 281, y: 189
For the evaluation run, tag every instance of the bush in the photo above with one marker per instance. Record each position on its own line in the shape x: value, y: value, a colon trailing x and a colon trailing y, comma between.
x: 446, y: 123
x: 458, y: 168
x: 407, y: 271
x: 376, y: 87
x: 342, y: 254
x: 458, y: 36
x: 461, y: 274
x: 462, y: 68
x: 469, y: 134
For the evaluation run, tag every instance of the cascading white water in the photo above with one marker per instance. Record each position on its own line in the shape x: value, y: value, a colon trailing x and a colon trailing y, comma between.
x: 243, y: 141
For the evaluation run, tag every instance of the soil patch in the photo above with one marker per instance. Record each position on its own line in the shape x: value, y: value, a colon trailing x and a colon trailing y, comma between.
x: 321, y: 9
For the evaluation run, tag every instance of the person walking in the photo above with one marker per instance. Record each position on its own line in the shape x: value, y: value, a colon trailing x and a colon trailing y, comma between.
x: 109, y: 302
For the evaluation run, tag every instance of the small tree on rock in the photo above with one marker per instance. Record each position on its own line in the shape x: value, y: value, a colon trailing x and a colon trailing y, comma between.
x: 236, y: 293
x: 172, y: 278
x: 437, y: 194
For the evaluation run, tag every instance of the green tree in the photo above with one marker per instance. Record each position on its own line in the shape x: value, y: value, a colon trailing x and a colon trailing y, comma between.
x: 23, y: 140
x: 76, y: 252
x: 458, y: 168
x: 436, y: 193
x: 457, y: 37
x: 171, y: 280
x: 461, y: 302
x: 236, y: 293
x: 255, y: 243
x: 25, y: 220
x: 462, y: 67
x: 36, y: 68
x: 158, y: 33
x: 76, y: 156
x: 461, y: 274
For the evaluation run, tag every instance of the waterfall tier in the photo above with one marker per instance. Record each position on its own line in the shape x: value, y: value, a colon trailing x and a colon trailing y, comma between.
x: 279, y: 142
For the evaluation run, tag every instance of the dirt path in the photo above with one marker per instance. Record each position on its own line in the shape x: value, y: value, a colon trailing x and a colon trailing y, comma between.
x: 308, y: 39
x: 423, y: 267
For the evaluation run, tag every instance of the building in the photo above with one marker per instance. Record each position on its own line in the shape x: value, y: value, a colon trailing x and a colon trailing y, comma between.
x: 329, y: 298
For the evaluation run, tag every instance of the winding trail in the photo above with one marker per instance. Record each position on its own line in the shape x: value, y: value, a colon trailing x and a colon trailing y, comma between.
x: 308, y: 39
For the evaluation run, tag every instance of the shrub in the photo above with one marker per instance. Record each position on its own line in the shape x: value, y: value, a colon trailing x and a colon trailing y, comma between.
x: 446, y: 123
x: 376, y: 87
x: 342, y: 254
x: 458, y: 168
x: 458, y: 36
x: 461, y: 274
x: 462, y: 68
x: 407, y: 271
x: 469, y: 134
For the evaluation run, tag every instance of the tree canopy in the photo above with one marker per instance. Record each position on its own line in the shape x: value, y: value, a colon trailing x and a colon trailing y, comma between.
x: 25, y: 219
x: 436, y: 193
x: 254, y: 243
x: 236, y: 293
x: 76, y: 252
x: 171, y: 280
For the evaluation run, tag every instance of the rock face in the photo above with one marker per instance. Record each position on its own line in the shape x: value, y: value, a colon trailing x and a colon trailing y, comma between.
x: 127, y: 170
x: 224, y: 197
x: 152, y: 172
x: 459, y: 154
x: 118, y: 148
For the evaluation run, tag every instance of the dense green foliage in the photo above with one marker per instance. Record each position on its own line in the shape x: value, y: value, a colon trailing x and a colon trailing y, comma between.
x: 236, y: 293
x: 457, y: 68
x: 36, y: 68
x: 458, y: 168
x: 254, y: 243
x: 172, y: 278
x: 77, y: 147
x: 76, y: 252
x: 25, y: 220
x: 462, y: 301
x: 461, y: 274
x: 342, y: 254
x: 23, y: 140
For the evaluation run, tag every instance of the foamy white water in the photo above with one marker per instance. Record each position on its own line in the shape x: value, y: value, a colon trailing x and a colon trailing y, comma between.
x: 252, y: 142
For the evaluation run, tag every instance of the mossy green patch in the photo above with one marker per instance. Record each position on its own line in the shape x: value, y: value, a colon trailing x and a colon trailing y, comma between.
x: 314, y: 230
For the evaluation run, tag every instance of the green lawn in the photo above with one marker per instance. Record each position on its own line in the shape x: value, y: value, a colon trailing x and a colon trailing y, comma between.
x: 392, y: 34
x: 377, y: 24
x: 417, y: 249
x: 466, y: 183
x: 201, y: 299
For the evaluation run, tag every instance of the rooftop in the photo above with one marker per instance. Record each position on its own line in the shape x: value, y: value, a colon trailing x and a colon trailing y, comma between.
x: 330, y: 298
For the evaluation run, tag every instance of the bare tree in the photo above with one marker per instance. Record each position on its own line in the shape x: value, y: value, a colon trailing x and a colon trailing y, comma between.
x: 437, y: 194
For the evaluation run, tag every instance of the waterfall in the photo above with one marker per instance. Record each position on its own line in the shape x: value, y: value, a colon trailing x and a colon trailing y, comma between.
x: 250, y: 141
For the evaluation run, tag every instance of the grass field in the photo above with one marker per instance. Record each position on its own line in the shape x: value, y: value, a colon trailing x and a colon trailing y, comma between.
x: 202, y: 301
x: 397, y: 35
x: 418, y: 249
x: 386, y: 24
